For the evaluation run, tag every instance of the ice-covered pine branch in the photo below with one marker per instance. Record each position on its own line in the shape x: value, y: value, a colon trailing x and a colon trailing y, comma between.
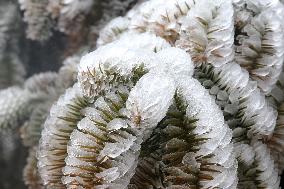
x: 206, y: 30
x: 236, y: 69
x: 124, y: 91
x: 178, y: 94
x: 71, y: 17
x: 12, y: 71
x: 28, y: 102
x: 27, y: 106
x: 202, y: 30
x: 37, y: 18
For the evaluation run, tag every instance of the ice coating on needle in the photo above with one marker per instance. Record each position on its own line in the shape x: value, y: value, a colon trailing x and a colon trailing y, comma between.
x: 113, y: 141
x: 277, y: 94
x: 117, y: 62
x: 244, y: 153
x: 99, y: 140
x: 239, y: 97
x: 120, y: 62
x: 260, y: 5
x: 198, y: 101
x: 117, y: 30
x: 110, y: 65
x: 260, y: 42
x: 145, y: 104
x: 145, y: 40
x: 201, y: 136
x: 247, y: 9
x: 276, y: 142
x: 261, y: 49
x: 176, y: 62
x: 57, y: 129
x: 164, y: 22
x: 268, y: 176
x: 112, y: 30
x: 207, y: 32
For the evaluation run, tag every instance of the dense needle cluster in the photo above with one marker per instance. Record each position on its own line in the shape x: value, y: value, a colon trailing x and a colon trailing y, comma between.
x: 181, y: 94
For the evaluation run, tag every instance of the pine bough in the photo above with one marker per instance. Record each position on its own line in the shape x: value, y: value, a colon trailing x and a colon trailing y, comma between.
x: 179, y: 94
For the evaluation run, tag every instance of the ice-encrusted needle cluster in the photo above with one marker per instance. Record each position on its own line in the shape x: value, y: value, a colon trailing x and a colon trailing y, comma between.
x: 128, y: 90
x: 71, y: 17
x: 217, y: 130
x: 25, y: 106
x: 179, y: 94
